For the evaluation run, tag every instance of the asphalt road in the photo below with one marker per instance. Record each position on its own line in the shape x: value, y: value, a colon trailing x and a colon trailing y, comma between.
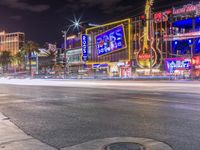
x: 66, y: 116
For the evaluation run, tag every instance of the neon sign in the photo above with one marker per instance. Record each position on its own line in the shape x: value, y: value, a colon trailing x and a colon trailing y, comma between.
x: 144, y: 56
x: 96, y: 66
x: 186, y: 9
x: 111, y: 40
x: 162, y: 16
x: 147, y: 56
x: 84, y: 47
x: 173, y: 64
x: 196, y: 60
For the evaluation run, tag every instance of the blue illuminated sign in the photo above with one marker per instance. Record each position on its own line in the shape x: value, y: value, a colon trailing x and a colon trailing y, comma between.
x: 186, y: 23
x: 84, y: 47
x: 95, y: 66
x: 173, y: 64
x: 111, y: 40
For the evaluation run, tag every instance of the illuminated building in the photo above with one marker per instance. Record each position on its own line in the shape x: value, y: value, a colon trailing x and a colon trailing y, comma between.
x: 74, y: 52
x: 76, y: 65
x: 148, y: 43
x: 184, y: 33
x: 140, y: 54
x: 185, y: 30
x: 11, y: 41
x: 109, y: 48
x: 175, y: 37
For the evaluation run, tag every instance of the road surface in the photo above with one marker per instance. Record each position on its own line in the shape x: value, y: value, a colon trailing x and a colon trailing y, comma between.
x: 67, y: 113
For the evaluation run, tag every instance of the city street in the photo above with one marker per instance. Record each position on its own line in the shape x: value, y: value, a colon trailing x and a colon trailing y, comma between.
x: 64, y: 113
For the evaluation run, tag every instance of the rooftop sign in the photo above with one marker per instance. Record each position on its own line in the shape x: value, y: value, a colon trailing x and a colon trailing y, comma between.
x: 190, y: 8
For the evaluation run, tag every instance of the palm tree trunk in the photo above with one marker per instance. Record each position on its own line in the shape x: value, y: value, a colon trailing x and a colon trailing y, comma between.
x: 6, y: 67
x: 24, y: 64
x: 30, y: 65
x: 3, y: 69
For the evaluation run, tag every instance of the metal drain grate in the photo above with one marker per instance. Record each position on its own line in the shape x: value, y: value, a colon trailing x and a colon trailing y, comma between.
x: 124, y: 146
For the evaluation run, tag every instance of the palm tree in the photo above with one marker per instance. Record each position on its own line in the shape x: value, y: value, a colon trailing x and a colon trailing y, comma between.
x: 20, y: 59
x: 5, y: 59
x: 51, y: 57
x: 50, y: 54
x: 29, y: 48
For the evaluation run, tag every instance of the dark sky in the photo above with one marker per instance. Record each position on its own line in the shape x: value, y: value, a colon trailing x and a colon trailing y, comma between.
x: 43, y: 20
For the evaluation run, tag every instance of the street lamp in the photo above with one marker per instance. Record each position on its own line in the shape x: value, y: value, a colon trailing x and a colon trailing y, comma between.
x: 75, y: 25
x: 192, y: 44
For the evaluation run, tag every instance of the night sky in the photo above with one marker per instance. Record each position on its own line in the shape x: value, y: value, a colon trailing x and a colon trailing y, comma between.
x: 43, y: 20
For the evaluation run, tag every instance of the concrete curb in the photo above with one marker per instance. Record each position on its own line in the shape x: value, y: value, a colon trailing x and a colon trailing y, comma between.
x: 12, y: 138
x: 2, y: 117
x: 149, y: 144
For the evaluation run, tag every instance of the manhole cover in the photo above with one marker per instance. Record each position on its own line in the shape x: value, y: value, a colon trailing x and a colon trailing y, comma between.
x: 124, y: 146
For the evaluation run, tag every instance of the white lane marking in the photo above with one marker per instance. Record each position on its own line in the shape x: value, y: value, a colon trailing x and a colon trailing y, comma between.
x: 3, y: 95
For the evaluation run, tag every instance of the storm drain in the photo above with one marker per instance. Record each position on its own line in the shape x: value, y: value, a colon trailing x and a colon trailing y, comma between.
x: 124, y: 146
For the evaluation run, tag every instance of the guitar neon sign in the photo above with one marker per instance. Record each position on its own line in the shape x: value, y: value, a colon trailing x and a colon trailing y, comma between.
x: 144, y: 55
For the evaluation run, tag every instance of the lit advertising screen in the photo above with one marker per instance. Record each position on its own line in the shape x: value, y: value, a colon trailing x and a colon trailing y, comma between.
x: 111, y: 40
x: 173, y: 64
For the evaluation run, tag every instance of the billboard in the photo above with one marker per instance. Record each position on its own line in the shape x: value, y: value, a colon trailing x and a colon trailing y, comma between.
x: 111, y: 40
x: 84, y: 47
x: 173, y: 64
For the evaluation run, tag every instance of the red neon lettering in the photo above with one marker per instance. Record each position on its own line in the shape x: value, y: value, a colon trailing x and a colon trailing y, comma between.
x: 144, y: 56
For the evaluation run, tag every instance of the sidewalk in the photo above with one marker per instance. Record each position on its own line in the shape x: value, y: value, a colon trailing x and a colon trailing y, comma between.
x: 12, y: 138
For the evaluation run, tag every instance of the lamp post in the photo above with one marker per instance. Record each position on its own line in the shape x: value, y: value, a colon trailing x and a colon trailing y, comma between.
x: 76, y: 24
x: 65, y: 55
x: 193, y: 44
x: 65, y: 51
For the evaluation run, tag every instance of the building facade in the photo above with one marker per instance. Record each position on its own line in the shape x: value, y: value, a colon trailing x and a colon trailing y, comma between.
x: 165, y: 42
x: 109, y: 48
x: 184, y: 38
x: 11, y: 41
x: 74, y: 62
